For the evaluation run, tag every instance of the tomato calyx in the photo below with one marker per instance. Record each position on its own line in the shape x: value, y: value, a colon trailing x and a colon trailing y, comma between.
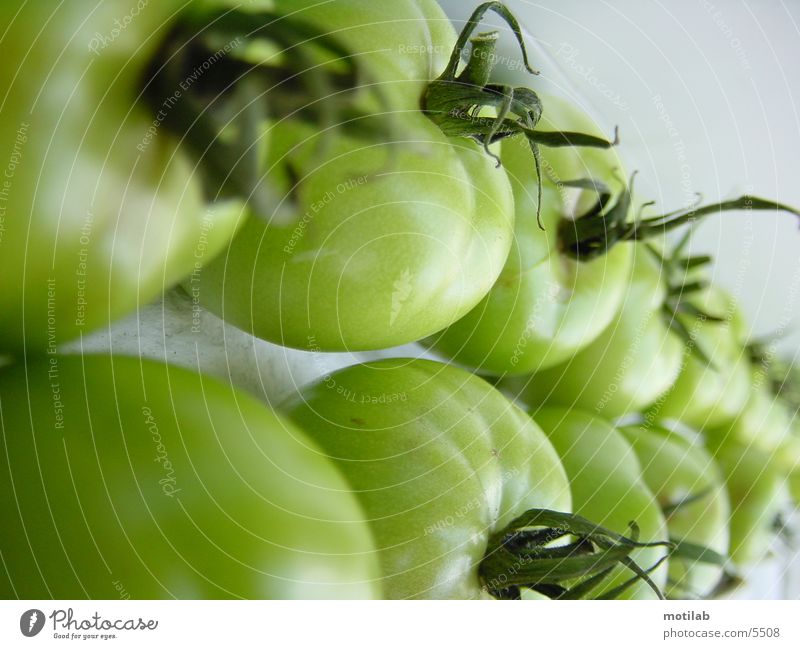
x: 523, y: 556
x: 601, y: 227
x: 682, y: 289
x: 696, y: 553
x: 455, y: 102
x: 594, y: 233
x: 781, y: 375
x: 218, y: 77
x: 607, y: 223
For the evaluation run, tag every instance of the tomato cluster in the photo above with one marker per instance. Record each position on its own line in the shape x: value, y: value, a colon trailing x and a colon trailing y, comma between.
x: 319, y: 178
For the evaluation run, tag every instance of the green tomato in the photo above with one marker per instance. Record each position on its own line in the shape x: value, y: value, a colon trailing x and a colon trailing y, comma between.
x: 439, y: 460
x: 770, y: 419
x: 384, y: 230
x: 790, y: 449
x: 756, y: 491
x: 128, y: 476
x: 633, y: 362
x: 546, y: 305
x: 757, y: 451
x: 789, y: 454
x: 97, y: 214
x: 690, y: 490
x: 765, y: 422
x: 709, y: 395
x: 607, y: 487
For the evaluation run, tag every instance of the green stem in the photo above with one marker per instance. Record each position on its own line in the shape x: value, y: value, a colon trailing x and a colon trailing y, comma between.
x: 587, y: 238
x: 695, y: 553
x: 647, y: 228
x: 472, y: 23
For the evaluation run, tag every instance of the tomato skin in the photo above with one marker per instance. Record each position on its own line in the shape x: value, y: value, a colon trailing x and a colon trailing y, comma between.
x: 746, y: 430
x: 545, y: 306
x: 376, y: 239
x: 788, y: 455
x: 675, y: 469
x: 765, y: 422
x: 168, y: 484
x: 98, y: 215
x: 439, y: 460
x: 756, y: 490
x: 607, y: 488
x: 756, y: 452
x: 388, y: 262
x: 790, y: 449
x: 709, y: 396
x: 404, y: 43
x: 635, y: 360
